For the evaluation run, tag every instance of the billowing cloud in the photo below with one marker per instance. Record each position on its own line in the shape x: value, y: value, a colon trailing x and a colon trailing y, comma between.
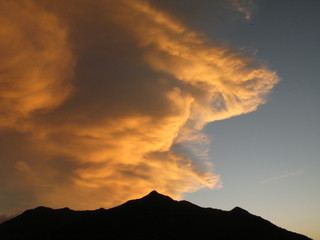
x: 107, y: 101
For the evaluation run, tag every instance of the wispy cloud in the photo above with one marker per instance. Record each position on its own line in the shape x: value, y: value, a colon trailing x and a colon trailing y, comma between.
x: 246, y: 7
x: 286, y: 175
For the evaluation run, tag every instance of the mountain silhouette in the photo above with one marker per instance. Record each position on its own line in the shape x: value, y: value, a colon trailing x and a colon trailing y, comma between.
x: 154, y: 216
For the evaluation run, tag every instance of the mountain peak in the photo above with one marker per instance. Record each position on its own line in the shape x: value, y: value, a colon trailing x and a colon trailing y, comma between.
x: 153, y: 193
x: 155, y: 196
x: 239, y: 210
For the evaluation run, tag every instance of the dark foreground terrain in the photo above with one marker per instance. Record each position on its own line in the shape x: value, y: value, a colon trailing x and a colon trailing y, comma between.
x: 154, y: 216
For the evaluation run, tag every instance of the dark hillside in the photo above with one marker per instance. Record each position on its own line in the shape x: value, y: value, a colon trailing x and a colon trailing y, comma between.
x: 154, y: 216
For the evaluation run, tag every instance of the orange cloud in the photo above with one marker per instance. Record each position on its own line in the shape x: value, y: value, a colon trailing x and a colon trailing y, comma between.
x: 35, y: 61
x: 143, y: 85
x: 223, y: 83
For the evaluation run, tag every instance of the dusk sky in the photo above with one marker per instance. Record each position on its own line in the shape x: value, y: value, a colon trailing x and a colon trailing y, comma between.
x: 212, y: 101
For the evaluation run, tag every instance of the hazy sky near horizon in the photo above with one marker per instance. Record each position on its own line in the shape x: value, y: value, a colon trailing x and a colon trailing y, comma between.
x: 212, y: 101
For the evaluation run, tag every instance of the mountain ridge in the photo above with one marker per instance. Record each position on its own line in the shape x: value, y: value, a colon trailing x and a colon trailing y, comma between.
x: 154, y: 216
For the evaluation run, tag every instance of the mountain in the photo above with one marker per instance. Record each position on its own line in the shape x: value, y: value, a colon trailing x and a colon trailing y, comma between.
x: 154, y: 216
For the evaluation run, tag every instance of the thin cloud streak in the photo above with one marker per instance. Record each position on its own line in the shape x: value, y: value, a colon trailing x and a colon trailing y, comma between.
x: 287, y: 175
x: 120, y: 96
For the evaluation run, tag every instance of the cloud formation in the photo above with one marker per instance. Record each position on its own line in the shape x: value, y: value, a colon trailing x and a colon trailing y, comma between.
x: 106, y: 101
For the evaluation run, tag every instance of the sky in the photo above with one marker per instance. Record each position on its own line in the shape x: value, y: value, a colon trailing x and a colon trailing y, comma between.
x: 214, y: 102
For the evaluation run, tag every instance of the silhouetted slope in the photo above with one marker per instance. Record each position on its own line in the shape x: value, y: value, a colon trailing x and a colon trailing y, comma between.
x: 154, y: 216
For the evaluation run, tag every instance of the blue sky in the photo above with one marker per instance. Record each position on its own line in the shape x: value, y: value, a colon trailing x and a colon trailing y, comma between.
x: 269, y: 160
